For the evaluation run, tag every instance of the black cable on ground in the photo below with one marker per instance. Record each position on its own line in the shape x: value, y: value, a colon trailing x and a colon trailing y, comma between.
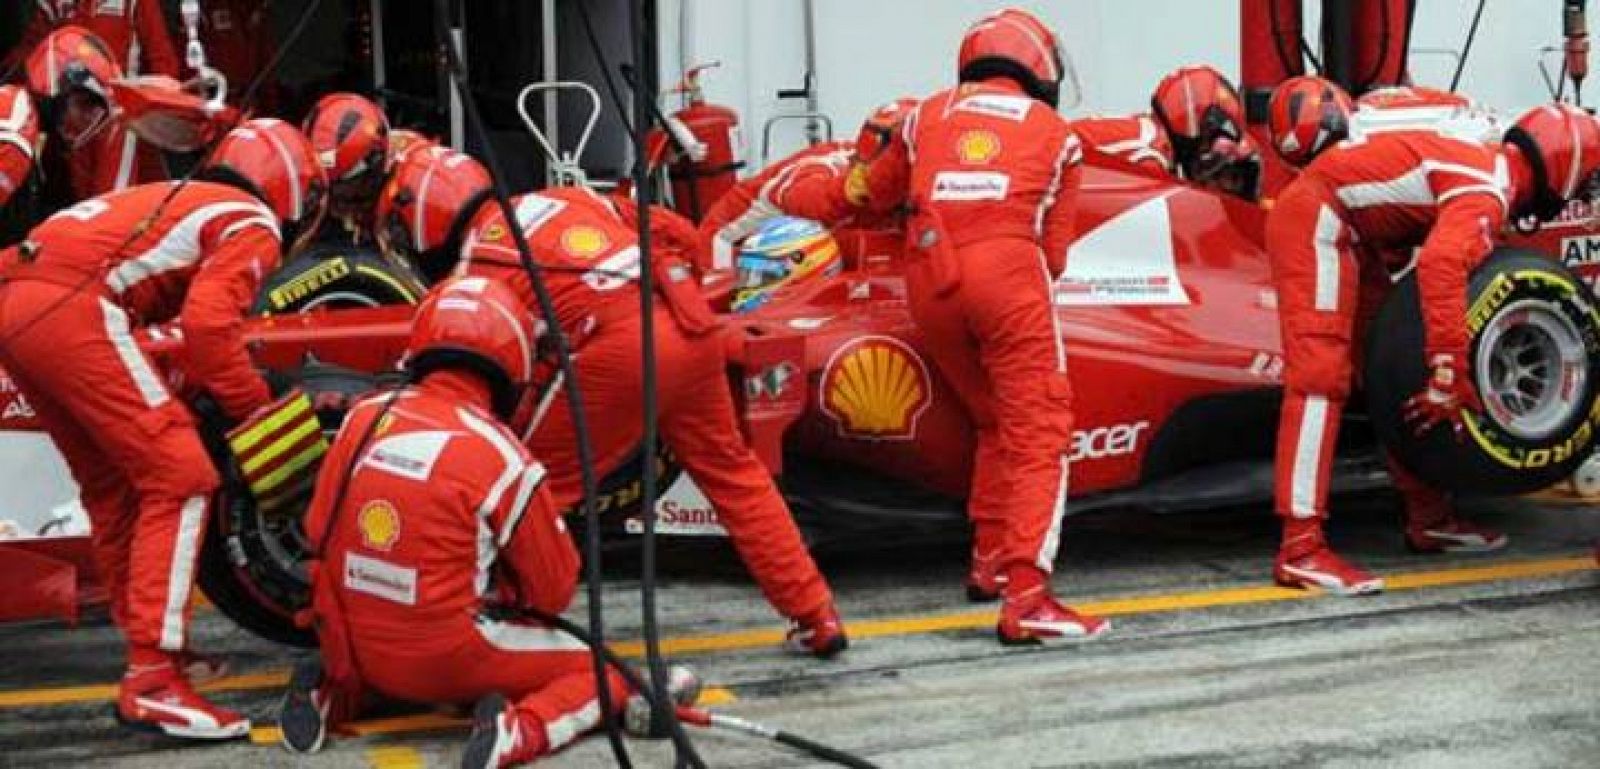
x: 1466, y: 50
x: 820, y: 750
x: 646, y: 111
x: 457, y: 72
x: 663, y: 718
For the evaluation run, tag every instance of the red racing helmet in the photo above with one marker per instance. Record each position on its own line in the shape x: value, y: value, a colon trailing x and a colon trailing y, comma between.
x: 1015, y: 44
x: 478, y: 324
x: 1204, y: 118
x: 1562, y: 145
x: 350, y: 135
x: 403, y: 142
x: 1307, y: 115
x: 272, y: 160
x: 878, y: 130
x: 422, y: 211
x: 19, y: 140
x: 69, y: 65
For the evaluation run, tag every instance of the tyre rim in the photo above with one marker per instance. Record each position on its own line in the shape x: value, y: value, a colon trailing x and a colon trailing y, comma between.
x: 1530, y: 367
x: 340, y: 300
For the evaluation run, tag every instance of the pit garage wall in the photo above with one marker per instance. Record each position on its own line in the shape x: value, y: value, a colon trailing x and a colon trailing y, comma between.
x: 871, y: 52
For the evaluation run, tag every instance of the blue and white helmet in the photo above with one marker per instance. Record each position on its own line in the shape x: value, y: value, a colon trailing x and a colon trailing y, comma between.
x: 786, y: 250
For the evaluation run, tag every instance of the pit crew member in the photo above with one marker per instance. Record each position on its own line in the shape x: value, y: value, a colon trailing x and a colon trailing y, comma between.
x: 73, y: 295
x: 1357, y: 205
x: 69, y: 76
x: 989, y: 172
x: 1306, y: 116
x: 134, y: 31
x: 421, y: 214
x: 350, y: 135
x: 20, y: 140
x: 438, y: 543
x: 591, y: 262
x: 1203, y: 118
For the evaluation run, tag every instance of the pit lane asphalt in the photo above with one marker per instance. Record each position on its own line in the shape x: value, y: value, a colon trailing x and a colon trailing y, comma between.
x: 1481, y: 661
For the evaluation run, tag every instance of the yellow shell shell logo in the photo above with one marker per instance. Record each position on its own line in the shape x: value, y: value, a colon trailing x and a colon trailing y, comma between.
x: 977, y: 147
x: 494, y: 232
x: 876, y: 387
x: 584, y: 242
x: 380, y: 525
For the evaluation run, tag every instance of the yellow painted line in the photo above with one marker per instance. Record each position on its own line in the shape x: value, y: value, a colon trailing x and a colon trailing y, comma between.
x: 420, y: 722
x: 712, y: 696
x: 64, y: 695
x: 969, y: 620
x: 1562, y: 495
x: 265, y: 735
x: 266, y: 679
x: 395, y: 757
x: 1153, y: 604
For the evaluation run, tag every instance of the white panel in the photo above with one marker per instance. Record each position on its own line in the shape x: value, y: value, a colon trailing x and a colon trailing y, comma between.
x: 35, y: 486
x: 1127, y: 261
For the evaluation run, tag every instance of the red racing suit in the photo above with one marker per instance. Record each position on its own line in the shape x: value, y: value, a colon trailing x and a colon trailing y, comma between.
x: 991, y: 178
x: 17, y: 150
x: 113, y: 160
x: 591, y: 260
x: 807, y: 184
x: 134, y: 30
x: 238, y: 41
x: 71, y: 297
x: 443, y: 514
x: 1328, y: 237
x: 1135, y: 139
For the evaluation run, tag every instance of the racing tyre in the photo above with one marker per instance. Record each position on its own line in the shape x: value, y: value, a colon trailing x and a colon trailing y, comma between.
x: 1535, y: 359
x: 332, y: 277
x: 252, y: 565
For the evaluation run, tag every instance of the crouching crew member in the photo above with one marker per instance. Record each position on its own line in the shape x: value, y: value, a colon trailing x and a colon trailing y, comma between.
x: 437, y: 544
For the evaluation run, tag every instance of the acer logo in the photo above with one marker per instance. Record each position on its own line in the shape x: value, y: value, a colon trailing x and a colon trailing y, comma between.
x: 1105, y: 442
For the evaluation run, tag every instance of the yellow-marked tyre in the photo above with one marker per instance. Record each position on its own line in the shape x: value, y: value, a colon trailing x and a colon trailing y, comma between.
x: 1535, y: 359
x: 252, y: 561
x: 337, y: 278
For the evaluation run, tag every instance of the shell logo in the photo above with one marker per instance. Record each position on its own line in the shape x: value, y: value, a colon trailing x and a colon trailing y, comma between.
x: 380, y: 525
x: 876, y: 388
x: 978, y: 147
x: 584, y: 242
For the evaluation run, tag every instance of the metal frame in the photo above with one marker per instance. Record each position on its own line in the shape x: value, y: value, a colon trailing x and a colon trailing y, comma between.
x: 565, y: 168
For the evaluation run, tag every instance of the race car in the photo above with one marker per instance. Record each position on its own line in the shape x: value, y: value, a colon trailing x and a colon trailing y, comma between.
x: 1169, y: 312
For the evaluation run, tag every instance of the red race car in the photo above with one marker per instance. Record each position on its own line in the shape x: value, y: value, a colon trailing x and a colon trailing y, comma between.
x: 1168, y: 307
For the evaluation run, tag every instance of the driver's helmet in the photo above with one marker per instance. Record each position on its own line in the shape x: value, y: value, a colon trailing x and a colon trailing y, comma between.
x: 785, y: 251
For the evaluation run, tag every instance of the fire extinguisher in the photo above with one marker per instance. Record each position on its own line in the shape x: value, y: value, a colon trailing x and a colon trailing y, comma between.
x: 702, y: 148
